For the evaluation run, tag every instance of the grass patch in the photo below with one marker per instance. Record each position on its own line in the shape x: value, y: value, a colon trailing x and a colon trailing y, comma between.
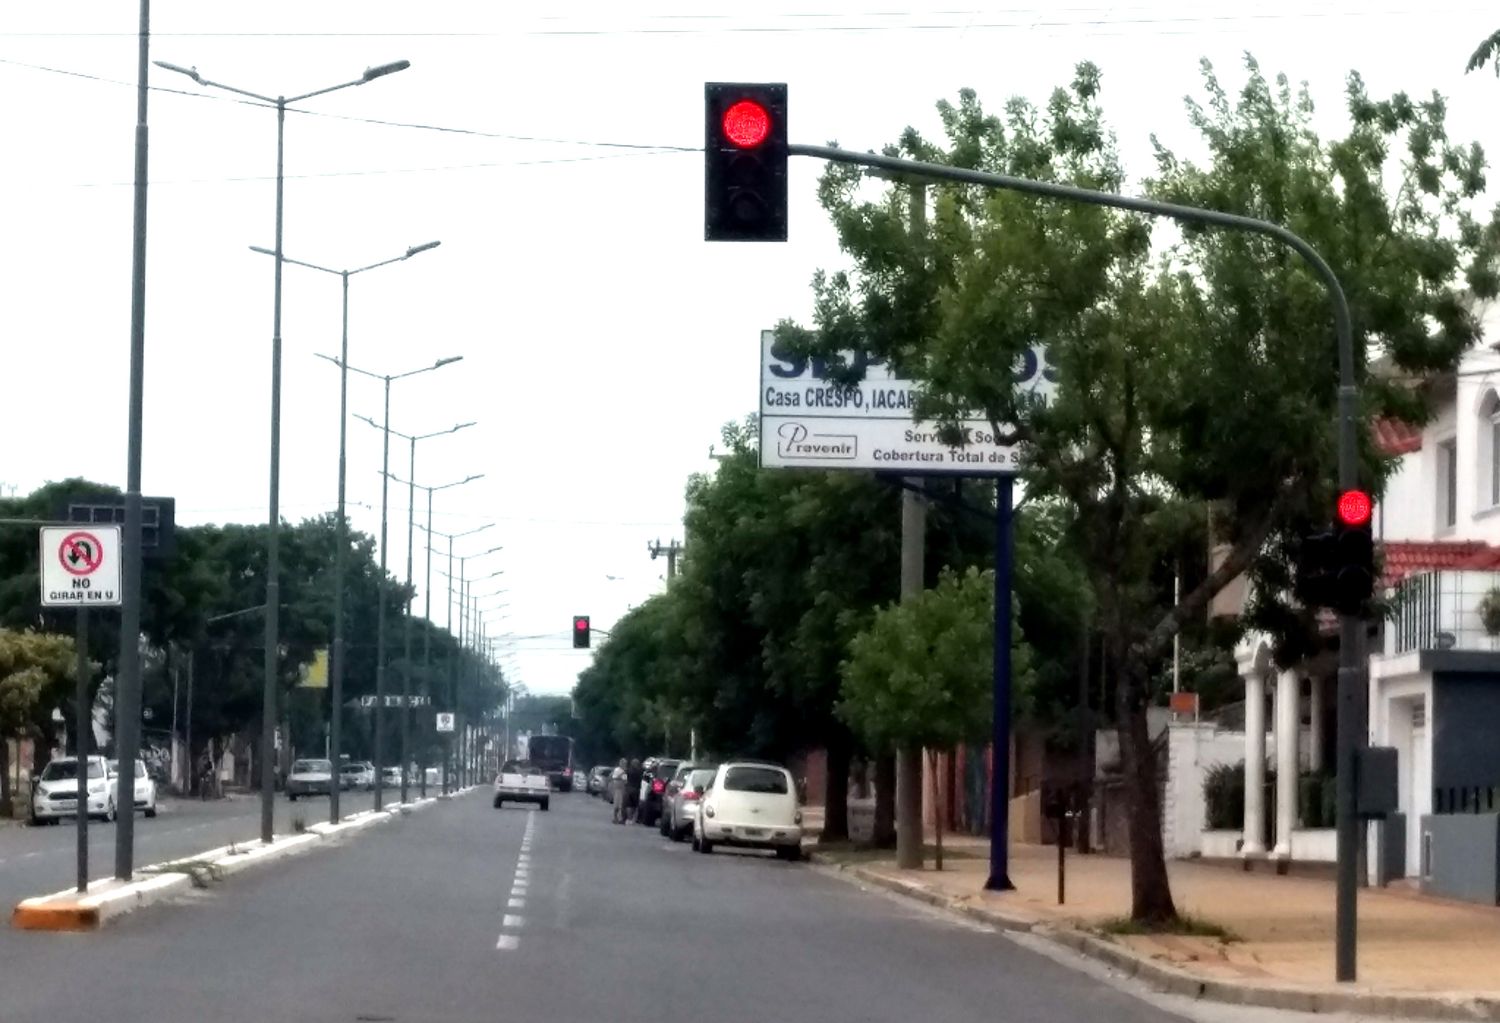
x: 1185, y: 925
x: 200, y: 872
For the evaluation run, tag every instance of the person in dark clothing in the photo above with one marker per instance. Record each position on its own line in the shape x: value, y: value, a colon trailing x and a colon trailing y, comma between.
x: 633, y: 776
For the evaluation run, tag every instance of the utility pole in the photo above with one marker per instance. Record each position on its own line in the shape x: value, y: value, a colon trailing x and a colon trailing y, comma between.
x: 671, y: 550
x: 913, y: 582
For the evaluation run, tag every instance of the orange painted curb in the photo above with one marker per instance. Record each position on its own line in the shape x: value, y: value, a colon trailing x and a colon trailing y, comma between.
x: 61, y: 916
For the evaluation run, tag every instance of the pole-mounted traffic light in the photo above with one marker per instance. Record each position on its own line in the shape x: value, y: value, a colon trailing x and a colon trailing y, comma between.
x: 581, y: 632
x: 1354, y: 559
x: 745, y: 157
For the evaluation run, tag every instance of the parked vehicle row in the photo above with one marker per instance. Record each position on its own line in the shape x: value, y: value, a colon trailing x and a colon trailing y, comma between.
x: 748, y: 804
x: 55, y: 793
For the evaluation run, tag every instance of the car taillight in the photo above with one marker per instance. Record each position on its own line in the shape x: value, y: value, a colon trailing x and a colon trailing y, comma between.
x: 657, y: 787
x: 690, y: 794
x: 567, y: 772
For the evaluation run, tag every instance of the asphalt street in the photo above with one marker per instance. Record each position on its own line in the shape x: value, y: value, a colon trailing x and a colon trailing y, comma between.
x: 40, y: 860
x: 461, y: 913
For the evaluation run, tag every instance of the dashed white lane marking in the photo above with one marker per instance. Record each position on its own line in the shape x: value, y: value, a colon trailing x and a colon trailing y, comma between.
x: 512, y: 922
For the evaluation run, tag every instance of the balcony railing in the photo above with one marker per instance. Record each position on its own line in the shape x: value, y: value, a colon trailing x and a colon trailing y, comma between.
x: 1440, y: 611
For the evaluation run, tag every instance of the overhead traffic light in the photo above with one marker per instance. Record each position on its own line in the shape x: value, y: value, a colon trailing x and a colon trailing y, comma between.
x: 1354, y: 553
x: 581, y: 632
x: 745, y: 157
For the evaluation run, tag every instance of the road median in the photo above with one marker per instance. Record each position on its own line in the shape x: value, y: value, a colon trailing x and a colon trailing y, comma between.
x: 108, y: 900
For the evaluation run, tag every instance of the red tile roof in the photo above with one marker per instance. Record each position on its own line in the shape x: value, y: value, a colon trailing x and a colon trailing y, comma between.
x: 1406, y: 557
x: 1393, y: 437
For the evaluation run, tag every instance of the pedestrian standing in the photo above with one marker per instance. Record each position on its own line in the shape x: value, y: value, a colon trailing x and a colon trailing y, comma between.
x: 617, y: 792
x: 633, y: 776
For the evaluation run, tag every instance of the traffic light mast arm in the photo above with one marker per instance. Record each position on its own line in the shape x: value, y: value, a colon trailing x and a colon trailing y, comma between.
x: 1351, y: 633
x: 1347, y: 410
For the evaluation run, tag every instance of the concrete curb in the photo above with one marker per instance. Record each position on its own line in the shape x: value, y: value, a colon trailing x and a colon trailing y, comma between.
x: 1173, y: 980
x: 107, y: 900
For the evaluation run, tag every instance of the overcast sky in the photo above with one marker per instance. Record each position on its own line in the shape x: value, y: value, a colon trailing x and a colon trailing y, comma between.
x: 603, y: 342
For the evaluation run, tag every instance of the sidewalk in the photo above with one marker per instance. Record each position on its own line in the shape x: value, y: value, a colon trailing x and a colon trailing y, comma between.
x: 1283, y: 925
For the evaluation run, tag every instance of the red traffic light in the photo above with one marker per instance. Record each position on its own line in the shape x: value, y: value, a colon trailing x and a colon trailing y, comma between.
x: 1354, y: 507
x: 746, y: 124
x: 581, y: 624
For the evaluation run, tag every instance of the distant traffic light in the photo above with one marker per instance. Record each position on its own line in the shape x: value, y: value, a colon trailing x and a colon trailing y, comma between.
x: 1354, y: 557
x: 581, y: 632
x: 745, y: 157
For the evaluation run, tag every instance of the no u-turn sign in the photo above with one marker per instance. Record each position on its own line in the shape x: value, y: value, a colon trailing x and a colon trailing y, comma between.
x: 80, y: 566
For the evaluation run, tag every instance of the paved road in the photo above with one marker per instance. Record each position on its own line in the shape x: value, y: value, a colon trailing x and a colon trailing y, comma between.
x: 461, y: 913
x: 36, y: 861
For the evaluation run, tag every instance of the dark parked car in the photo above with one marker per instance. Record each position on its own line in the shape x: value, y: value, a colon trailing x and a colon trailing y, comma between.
x: 654, y: 787
x: 598, y: 780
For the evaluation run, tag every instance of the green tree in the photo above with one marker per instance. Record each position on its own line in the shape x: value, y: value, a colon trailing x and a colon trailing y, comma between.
x: 1195, y: 369
x: 1487, y: 53
x: 35, y: 676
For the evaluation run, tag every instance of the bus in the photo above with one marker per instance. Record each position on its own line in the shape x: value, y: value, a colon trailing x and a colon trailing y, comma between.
x: 554, y: 755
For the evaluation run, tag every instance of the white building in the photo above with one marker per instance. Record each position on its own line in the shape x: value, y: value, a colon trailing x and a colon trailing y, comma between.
x: 1434, y: 686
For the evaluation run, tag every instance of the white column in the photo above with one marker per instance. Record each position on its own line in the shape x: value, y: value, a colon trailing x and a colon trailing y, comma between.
x: 1255, y: 765
x: 1315, y: 726
x: 1288, y: 718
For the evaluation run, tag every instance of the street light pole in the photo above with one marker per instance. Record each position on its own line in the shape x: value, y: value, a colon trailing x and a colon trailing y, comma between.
x: 411, y: 519
x: 427, y: 596
x: 273, y: 546
x: 341, y: 526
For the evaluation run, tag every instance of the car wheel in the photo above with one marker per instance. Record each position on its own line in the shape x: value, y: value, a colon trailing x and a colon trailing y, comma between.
x: 790, y: 853
x: 545, y: 804
x: 291, y: 797
x: 662, y: 827
x: 151, y: 810
x: 109, y: 812
x: 499, y: 802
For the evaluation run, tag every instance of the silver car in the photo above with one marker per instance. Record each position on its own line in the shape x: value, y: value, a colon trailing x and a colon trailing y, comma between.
x: 680, y: 802
x: 309, y: 778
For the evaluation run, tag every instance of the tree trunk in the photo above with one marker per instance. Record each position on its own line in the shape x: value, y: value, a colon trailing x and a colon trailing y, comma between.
x: 1150, y: 891
x: 909, y: 809
x: 938, y: 806
x: 884, y: 836
x: 836, y: 786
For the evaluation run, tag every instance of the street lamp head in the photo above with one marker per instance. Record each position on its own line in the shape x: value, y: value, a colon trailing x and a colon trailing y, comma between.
x: 191, y: 72
x: 372, y: 73
x: 450, y: 359
x: 420, y: 248
x: 263, y: 252
x: 461, y: 426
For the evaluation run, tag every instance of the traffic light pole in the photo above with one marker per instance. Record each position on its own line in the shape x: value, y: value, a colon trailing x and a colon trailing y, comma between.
x: 1351, y: 633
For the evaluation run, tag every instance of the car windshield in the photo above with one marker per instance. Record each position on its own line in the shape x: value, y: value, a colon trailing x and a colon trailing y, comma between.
x: 518, y: 767
x: 140, y: 768
x: 701, y: 777
x: 60, y: 770
x: 768, y: 780
x: 311, y: 767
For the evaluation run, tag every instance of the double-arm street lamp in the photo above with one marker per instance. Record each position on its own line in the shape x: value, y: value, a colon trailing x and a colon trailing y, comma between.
x: 453, y: 693
x: 273, y: 566
x: 411, y: 518
x: 385, y: 469
x: 341, y: 543
x: 427, y: 598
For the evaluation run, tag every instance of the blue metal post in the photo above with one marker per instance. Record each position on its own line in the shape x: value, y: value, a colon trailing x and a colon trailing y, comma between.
x: 999, y: 880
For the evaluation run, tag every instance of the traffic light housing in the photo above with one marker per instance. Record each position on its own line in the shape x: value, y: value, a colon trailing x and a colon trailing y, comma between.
x: 1354, y: 557
x: 1317, y: 569
x: 745, y: 157
x: 581, y: 632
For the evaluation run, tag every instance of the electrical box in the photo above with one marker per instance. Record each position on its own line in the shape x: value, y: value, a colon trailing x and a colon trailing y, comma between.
x: 1376, y: 787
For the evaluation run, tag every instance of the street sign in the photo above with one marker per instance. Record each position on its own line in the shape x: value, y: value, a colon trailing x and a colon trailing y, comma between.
x: 395, y: 700
x: 445, y: 721
x: 808, y: 421
x: 80, y: 567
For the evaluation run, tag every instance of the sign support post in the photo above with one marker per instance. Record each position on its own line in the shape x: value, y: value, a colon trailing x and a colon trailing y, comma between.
x: 83, y: 726
x: 999, y: 879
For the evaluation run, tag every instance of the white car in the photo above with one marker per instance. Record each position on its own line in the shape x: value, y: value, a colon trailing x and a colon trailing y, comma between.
x: 309, y: 778
x: 55, y: 795
x: 520, y: 781
x: 145, y: 787
x: 750, y: 803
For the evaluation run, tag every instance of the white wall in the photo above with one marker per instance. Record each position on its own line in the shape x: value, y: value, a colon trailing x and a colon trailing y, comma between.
x: 1191, y: 750
x: 1410, y: 510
